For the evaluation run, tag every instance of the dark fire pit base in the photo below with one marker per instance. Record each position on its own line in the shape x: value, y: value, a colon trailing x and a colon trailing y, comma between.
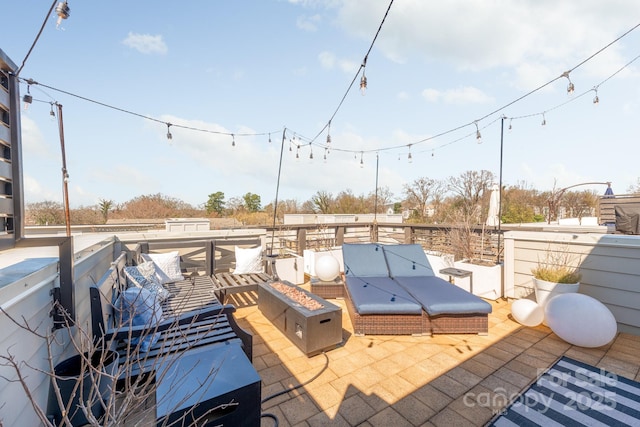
x: 312, y: 331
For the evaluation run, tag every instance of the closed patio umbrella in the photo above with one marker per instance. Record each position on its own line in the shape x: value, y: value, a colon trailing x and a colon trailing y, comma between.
x: 493, y: 218
x: 608, y: 192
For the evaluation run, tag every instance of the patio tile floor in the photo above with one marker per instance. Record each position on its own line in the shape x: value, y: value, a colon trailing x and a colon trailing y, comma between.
x: 441, y: 380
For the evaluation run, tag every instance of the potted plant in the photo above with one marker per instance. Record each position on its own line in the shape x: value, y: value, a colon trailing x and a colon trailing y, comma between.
x: 555, y: 274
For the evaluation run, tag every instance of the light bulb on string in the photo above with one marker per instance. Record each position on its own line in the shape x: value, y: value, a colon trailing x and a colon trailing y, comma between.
x: 596, y: 100
x: 169, y: 136
x: 297, y: 152
x: 27, y: 98
x: 478, y: 135
x: 233, y: 140
x: 361, y: 159
x: 310, y: 152
x: 363, y: 84
x: 63, y: 11
x: 269, y: 138
x: 510, y: 127
x: 325, y: 155
x: 570, y: 87
x: 409, y: 156
x: 544, y: 120
x: 433, y: 154
x: 52, y: 113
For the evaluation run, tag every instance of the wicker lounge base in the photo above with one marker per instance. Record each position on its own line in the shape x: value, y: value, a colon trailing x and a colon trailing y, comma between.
x: 328, y: 290
x: 457, y: 324
x: 406, y: 324
x: 384, y: 324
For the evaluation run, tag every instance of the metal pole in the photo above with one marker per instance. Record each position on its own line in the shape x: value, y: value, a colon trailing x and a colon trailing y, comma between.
x: 274, y: 274
x: 375, y: 203
x: 500, y: 179
x: 500, y: 201
x: 65, y: 174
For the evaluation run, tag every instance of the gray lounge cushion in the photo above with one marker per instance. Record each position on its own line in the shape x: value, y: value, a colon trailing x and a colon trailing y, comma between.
x: 380, y: 295
x: 407, y: 260
x: 437, y: 296
x: 364, y: 260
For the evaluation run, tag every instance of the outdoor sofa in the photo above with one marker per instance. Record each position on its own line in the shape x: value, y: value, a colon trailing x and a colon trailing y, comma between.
x: 391, y: 289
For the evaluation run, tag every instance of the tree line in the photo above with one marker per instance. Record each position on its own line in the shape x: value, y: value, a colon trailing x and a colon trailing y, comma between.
x: 463, y: 198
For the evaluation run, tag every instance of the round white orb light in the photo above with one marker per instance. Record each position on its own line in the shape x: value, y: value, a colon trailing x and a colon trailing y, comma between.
x: 527, y: 312
x: 327, y: 268
x: 580, y: 320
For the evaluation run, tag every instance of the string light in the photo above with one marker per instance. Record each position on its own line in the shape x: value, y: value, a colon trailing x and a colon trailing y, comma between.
x: 52, y: 114
x: 325, y: 155
x: 544, y: 120
x: 297, y: 152
x: 63, y: 11
x: 269, y: 138
x: 409, y: 156
x: 478, y: 135
x: 27, y: 98
x: 329, y: 133
x: 363, y: 82
x: 596, y: 100
x: 169, y: 136
x: 361, y: 159
x: 310, y: 152
x: 570, y: 86
x: 233, y: 140
x: 570, y: 89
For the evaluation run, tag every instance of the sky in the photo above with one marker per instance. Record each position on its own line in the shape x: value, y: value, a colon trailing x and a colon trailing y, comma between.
x: 252, y: 71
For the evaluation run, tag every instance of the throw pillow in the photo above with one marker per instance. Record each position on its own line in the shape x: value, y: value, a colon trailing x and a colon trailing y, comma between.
x: 139, y: 307
x: 249, y: 260
x: 167, y: 266
x: 144, y: 276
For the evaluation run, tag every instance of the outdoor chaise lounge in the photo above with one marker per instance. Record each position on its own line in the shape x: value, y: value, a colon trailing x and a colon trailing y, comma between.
x: 391, y: 289
x: 450, y: 309
x: 376, y: 303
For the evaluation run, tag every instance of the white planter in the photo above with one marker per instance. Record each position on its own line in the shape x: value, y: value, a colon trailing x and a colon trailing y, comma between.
x: 311, y: 256
x: 291, y: 269
x: 546, y: 290
x: 487, y: 279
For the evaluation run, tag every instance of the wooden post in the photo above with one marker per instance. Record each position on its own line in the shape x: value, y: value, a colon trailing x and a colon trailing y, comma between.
x: 302, y: 240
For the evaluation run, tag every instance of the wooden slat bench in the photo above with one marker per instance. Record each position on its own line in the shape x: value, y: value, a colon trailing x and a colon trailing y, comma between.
x: 224, y: 281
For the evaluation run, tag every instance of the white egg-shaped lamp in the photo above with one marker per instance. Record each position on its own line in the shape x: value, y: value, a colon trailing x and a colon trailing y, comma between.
x: 327, y: 268
x: 580, y: 320
x: 527, y: 312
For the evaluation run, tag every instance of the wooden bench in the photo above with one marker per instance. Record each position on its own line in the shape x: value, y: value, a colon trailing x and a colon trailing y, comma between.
x: 223, y: 263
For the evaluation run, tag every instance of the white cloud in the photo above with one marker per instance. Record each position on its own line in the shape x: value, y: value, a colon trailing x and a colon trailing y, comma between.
x: 494, y: 34
x: 308, y: 23
x: 329, y: 61
x: 460, y: 96
x: 146, y: 43
x: 33, y: 142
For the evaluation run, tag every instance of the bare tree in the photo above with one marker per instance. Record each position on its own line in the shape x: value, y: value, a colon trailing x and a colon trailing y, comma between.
x: 385, y: 196
x: 322, y: 202
x: 46, y: 213
x: 470, y: 186
x: 418, y: 194
x: 634, y: 188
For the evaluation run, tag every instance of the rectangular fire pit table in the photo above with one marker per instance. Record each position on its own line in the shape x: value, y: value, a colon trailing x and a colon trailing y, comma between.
x: 311, y: 330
